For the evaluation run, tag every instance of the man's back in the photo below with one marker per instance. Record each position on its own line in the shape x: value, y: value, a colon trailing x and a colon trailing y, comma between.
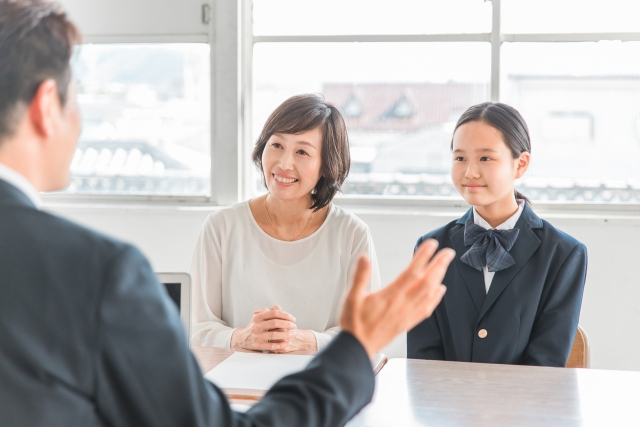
x: 88, y: 338
x: 55, y: 278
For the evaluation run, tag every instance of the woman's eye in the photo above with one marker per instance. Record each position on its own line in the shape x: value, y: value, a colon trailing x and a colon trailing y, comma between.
x: 484, y: 159
x: 276, y: 145
x: 458, y: 159
x: 302, y: 152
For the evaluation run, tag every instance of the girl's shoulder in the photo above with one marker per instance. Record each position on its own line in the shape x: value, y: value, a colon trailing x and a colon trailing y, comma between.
x: 442, y: 234
x: 550, y: 235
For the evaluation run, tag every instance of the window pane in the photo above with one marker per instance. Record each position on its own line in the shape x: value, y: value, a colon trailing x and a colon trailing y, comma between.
x: 146, y: 120
x: 315, y: 17
x: 400, y: 101
x: 581, y: 103
x: 569, y: 16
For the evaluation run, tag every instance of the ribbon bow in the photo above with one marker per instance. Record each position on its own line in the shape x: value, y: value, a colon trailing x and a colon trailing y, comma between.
x: 488, y: 247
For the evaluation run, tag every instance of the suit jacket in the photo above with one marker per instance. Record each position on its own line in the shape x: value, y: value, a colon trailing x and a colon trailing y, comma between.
x: 532, y: 308
x: 88, y: 337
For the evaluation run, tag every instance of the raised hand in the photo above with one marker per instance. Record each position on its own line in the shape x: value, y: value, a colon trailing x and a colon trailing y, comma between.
x: 375, y: 319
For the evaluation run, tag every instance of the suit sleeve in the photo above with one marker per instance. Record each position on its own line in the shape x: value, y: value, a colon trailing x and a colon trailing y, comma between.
x: 146, y: 375
x: 556, y: 323
x: 424, y: 341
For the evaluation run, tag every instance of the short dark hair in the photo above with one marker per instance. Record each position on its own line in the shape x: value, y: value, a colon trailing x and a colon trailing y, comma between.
x: 36, y: 43
x: 505, y: 119
x: 302, y: 113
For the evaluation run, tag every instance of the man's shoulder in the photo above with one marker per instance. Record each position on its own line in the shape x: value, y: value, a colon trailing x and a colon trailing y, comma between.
x: 49, y: 235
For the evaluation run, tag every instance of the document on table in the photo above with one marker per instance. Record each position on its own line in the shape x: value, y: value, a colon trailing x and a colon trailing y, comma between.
x: 255, y: 371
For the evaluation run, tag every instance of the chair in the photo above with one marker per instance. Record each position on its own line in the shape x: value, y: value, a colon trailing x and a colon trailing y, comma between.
x: 579, y: 356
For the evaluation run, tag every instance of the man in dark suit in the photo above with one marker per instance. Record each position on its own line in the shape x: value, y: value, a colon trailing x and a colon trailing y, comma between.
x: 87, y: 335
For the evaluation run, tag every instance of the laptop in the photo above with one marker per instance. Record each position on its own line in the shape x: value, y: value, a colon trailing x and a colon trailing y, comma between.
x: 178, y: 286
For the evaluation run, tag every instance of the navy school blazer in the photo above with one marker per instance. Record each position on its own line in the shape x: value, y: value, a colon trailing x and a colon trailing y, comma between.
x: 530, y: 313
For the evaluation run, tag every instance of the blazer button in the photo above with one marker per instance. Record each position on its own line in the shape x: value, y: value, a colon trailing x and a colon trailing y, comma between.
x: 482, y: 333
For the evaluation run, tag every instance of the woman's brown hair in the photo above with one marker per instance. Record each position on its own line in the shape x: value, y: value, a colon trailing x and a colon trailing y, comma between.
x: 302, y: 113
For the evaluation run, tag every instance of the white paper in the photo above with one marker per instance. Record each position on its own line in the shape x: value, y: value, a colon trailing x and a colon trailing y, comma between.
x: 255, y: 371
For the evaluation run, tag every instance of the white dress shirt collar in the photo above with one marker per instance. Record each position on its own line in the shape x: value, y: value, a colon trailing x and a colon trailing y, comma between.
x: 507, y: 225
x: 21, y: 183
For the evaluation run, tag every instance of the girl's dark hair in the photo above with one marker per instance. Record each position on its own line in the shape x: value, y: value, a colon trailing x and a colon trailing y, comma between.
x: 302, y: 113
x: 508, y: 121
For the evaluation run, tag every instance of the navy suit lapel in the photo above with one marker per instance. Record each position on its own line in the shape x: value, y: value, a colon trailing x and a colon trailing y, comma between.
x: 525, y: 246
x: 473, y: 278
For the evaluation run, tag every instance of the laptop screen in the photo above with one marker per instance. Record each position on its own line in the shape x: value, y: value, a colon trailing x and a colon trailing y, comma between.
x: 173, y: 289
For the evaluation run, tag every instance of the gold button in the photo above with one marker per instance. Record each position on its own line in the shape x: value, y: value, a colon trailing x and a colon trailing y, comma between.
x: 482, y: 333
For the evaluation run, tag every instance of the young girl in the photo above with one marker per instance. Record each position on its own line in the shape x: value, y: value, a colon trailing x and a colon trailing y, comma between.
x: 515, y: 288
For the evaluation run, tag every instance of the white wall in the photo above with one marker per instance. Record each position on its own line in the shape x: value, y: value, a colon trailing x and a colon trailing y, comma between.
x: 610, y: 309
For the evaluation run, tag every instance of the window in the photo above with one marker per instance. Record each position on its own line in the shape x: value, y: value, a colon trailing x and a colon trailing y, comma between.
x: 400, y: 95
x: 146, y: 120
x: 402, y: 72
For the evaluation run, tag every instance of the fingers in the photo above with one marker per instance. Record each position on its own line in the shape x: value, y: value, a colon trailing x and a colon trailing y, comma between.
x: 275, y: 347
x: 427, y: 285
x: 280, y: 335
x: 273, y: 314
x: 427, y: 308
x: 440, y: 262
x: 262, y: 310
x: 268, y: 325
x: 423, y: 254
x: 425, y: 296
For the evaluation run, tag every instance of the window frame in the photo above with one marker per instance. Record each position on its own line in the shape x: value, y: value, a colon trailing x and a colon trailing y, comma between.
x: 231, y: 39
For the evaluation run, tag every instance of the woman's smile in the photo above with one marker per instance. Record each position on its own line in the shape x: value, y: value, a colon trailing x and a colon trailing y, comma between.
x: 283, y: 180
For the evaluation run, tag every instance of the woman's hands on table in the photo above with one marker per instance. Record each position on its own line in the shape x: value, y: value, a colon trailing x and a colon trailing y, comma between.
x: 273, y: 329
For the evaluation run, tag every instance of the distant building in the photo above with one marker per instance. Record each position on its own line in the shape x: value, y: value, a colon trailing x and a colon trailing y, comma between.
x: 585, y: 135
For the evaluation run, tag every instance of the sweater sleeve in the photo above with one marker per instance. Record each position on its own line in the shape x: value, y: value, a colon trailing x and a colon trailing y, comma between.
x: 363, y: 247
x: 208, y: 328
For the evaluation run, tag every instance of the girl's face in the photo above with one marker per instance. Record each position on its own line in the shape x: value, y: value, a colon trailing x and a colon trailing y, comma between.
x: 483, y: 170
x: 291, y: 164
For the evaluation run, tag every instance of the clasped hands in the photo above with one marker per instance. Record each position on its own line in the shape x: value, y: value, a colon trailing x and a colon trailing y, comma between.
x: 372, y: 318
x: 273, y: 329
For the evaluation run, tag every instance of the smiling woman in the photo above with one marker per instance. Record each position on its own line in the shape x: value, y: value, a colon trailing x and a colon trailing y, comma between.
x: 270, y: 273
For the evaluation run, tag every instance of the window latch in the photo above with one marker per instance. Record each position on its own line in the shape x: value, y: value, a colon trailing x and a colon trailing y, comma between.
x: 206, y: 13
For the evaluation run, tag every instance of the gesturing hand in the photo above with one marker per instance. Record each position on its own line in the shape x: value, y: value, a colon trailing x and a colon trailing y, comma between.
x: 269, y: 329
x: 375, y: 319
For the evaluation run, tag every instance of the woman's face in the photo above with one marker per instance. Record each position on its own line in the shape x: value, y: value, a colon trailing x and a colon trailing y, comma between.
x: 483, y: 169
x: 291, y: 163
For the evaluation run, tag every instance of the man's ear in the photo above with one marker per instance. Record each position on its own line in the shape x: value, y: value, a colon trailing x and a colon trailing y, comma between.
x: 43, y: 108
x: 522, y: 164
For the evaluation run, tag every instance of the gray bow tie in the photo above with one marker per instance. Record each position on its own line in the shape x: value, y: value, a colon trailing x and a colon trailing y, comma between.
x: 488, y: 247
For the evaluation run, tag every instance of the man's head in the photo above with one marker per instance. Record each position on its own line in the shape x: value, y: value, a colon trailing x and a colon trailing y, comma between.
x: 39, y: 119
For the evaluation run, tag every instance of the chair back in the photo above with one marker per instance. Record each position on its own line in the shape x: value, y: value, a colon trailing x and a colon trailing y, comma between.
x: 579, y: 356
